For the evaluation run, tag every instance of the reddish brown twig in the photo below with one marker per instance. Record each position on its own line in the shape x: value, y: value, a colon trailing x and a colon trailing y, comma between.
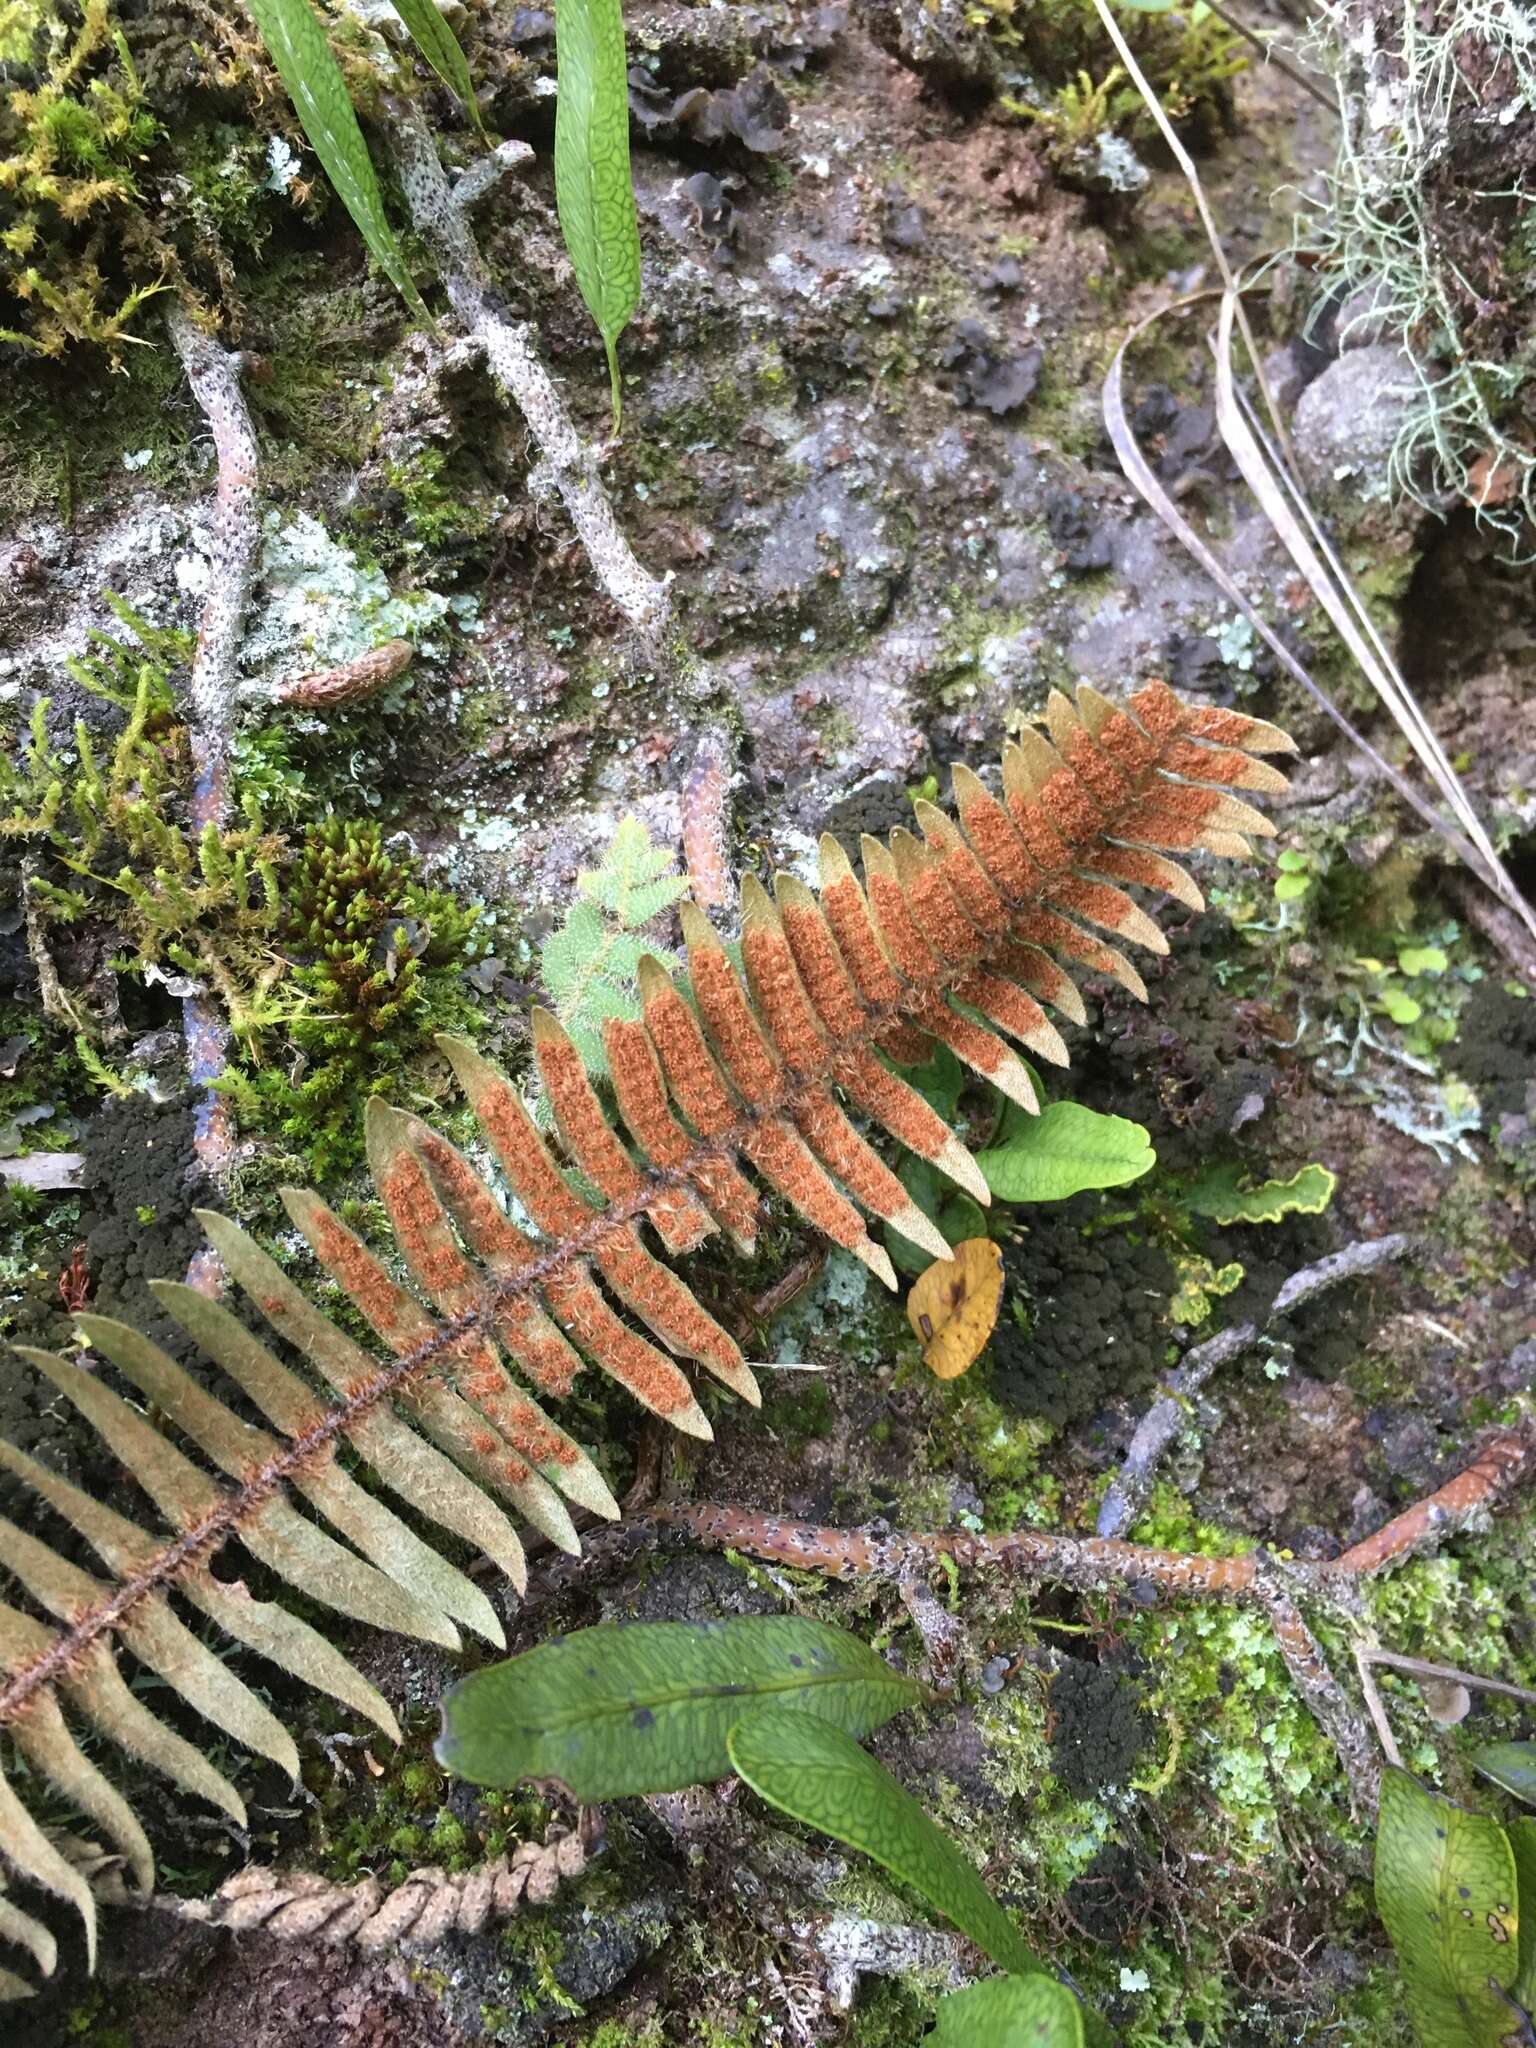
x: 1091, y: 1563
x: 705, y: 788
x: 1496, y: 1470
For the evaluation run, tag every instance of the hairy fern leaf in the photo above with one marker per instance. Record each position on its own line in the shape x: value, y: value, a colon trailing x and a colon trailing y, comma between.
x: 966, y: 931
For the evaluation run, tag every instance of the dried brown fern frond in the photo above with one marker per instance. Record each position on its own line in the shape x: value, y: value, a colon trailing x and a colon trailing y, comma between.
x: 962, y: 934
x: 427, y: 1907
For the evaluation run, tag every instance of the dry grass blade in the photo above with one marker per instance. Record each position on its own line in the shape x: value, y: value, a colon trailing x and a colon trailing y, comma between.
x: 1270, y: 476
x: 1140, y: 473
x: 1284, y: 505
x: 1185, y: 163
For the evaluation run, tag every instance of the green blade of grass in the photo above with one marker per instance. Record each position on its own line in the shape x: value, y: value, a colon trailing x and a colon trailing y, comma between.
x: 296, y: 41
x: 440, y: 46
x: 592, y: 181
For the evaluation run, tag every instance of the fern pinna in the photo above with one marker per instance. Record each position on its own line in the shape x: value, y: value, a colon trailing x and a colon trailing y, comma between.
x: 961, y: 934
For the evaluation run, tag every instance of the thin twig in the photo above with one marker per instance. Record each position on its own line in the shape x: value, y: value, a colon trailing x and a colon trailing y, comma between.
x: 1185, y: 163
x: 214, y: 375
x: 1271, y: 55
x: 1376, y: 1708
x: 1420, y: 1667
x: 509, y: 348
x: 1165, y: 1419
x: 1500, y: 926
x: 1091, y: 1563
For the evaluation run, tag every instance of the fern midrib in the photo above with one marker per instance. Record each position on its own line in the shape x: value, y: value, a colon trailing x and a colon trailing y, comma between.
x: 196, y: 1543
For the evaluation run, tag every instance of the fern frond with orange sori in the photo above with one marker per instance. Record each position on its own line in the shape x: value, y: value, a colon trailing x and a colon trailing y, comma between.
x: 965, y: 931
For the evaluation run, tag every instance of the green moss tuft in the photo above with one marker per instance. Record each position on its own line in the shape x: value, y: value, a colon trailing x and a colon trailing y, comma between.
x: 376, y: 967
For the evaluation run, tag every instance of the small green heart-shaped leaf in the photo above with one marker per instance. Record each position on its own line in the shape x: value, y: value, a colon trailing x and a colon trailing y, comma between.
x: 1421, y: 960
x: 1062, y: 1151
x: 1400, y: 1006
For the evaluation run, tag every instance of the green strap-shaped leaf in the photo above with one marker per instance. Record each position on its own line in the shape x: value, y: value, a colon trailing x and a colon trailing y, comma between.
x: 1522, y: 1841
x: 297, y: 43
x: 1009, y: 2012
x: 592, y: 181
x: 1511, y: 1766
x: 615, y: 1711
x: 1063, y: 1150
x: 440, y: 46
x: 818, y: 1775
x: 1446, y: 1892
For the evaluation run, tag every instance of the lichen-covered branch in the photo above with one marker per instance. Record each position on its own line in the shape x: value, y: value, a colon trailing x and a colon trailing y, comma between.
x: 214, y: 375
x: 509, y: 350
x: 1090, y: 1564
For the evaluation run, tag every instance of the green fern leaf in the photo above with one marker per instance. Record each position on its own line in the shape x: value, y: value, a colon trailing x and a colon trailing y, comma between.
x: 591, y: 965
x: 635, y: 880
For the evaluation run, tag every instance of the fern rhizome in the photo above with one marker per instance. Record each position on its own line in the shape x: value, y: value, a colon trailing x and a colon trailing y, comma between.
x: 959, y: 935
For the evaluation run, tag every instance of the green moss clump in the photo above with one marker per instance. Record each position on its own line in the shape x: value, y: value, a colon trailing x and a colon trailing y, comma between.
x: 376, y: 957
x: 435, y: 505
x: 1189, y: 57
x: 70, y: 151
x: 400, y: 1821
x: 108, y: 836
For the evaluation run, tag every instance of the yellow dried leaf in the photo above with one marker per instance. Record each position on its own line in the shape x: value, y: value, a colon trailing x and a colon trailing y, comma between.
x: 953, y: 1306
